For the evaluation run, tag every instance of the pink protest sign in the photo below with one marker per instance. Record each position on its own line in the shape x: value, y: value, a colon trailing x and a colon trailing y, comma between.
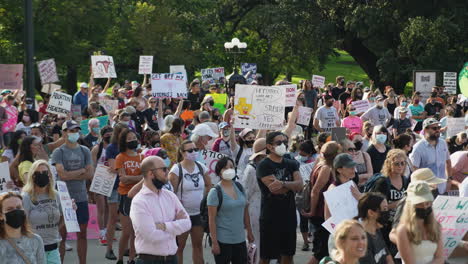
x: 290, y: 94
x: 10, y: 124
x: 361, y: 106
x: 93, y: 227
x: 11, y: 76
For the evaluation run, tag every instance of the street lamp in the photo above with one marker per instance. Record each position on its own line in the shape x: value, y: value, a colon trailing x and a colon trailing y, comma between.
x: 235, y: 47
x: 229, y: 46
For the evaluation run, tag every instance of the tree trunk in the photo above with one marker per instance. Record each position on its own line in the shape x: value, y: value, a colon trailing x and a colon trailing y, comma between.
x: 289, y: 76
x: 71, y: 79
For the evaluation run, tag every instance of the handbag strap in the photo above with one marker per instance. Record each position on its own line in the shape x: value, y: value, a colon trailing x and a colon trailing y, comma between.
x: 25, y: 259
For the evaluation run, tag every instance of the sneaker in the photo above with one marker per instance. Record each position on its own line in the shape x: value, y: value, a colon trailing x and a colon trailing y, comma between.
x: 110, y: 255
x: 305, y: 247
x: 68, y: 247
x: 103, y: 241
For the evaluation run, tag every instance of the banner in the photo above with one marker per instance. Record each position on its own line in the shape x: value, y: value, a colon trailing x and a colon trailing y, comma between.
x: 69, y: 215
x: 59, y: 103
x: 305, y: 114
x: 450, y: 82
x: 259, y: 107
x: 214, y: 75
x: 452, y: 214
x: 103, y: 67
x: 455, y: 126
x: 47, y: 71
x: 49, y: 88
x: 103, y: 121
x: 4, y: 176
x: 361, y: 106
x: 318, y: 81
x: 341, y: 202
x: 211, y: 159
x: 171, y: 85
x: 110, y: 106
x: 103, y: 181
x: 11, y: 76
x: 249, y: 71
x: 291, y: 94
x: 423, y: 81
x: 146, y: 65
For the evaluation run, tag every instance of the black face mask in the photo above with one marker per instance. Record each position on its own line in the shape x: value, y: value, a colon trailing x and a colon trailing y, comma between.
x: 15, y: 218
x: 132, y: 144
x: 157, y: 183
x: 329, y: 104
x: 383, y: 217
x: 342, y: 83
x: 41, y: 179
x: 423, y: 213
x: 106, y: 139
x: 358, y: 145
x: 211, y: 103
x: 249, y: 143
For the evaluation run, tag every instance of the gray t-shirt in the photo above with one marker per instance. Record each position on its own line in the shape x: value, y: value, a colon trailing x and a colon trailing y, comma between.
x: 44, y: 216
x: 74, y: 159
x: 327, y: 117
x: 32, y: 247
x: 377, y: 116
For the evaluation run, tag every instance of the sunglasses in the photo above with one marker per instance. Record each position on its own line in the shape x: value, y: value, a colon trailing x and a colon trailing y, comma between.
x: 435, y: 128
x: 152, y: 102
x: 279, y: 142
x: 191, y: 150
x: 352, y: 149
x: 399, y: 164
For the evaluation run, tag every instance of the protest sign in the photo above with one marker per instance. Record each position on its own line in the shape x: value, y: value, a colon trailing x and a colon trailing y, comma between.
x: 76, y: 111
x: 341, y: 202
x: 214, y: 75
x: 103, y: 121
x: 12, y: 115
x: 291, y: 96
x: 103, y: 181
x: 452, y: 214
x: 4, y: 176
x: 170, y: 85
x: 49, y: 88
x: 211, y: 159
x: 179, y: 69
x: 220, y: 101
x: 103, y: 67
x: 305, y: 114
x: 361, y: 106
x: 318, y: 81
x: 338, y: 133
x: 11, y: 76
x: 146, y: 65
x: 47, y: 71
x: 249, y: 71
x: 92, y: 231
x: 450, y: 82
x: 455, y: 126
x: 69, y: 214
x: 330, y: 225
x: 110, y: 105
x: 423, y: 81
x: 259, y: 107
x: 59, y: 103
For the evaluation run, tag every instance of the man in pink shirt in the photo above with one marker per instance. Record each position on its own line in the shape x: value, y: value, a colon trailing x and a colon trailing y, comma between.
x: 157, y: 216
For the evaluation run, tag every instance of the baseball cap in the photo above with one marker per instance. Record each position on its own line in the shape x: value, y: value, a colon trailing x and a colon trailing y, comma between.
x: 5, y: 91
x: 204, y: 130
x: 430, y: 121
x: 379, y: 98
x: 223, y: 125
x: 244, y: 132
x: 419, y: 192
x: 83, y: 85
x: 344, y: 160
x: 70, y: 124
x: 426, y: 175
x: 259, y: 148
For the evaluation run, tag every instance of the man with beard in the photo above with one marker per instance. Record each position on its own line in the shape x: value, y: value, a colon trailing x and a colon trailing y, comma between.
x: 432, y: 152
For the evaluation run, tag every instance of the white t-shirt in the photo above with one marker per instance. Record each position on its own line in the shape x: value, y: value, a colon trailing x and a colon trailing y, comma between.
x: 327, y: 117
x: 192, y: 186
x: 243, y: 159
x: 21, y: 126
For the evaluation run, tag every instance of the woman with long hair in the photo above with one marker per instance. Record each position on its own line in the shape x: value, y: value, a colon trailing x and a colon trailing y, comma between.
x: 378, y: 149
x: 171, y: 140
x: 12, y: 150
x: 405, y: 142
x: 18, y: 244
x: 25, y: 119
x: 30, y: 147
x: 42, y: 207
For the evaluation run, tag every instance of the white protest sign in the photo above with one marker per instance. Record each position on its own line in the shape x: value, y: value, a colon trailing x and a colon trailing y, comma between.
x: 11, y: 76
x: 450, y: 82
x: 50, y: 88
x: 455, y: 126
x: 103, y: 181
x: 179, y: 69
x: 214, y: 75
x: 211, y: 159
x: 47, y: 71
x: 291, y: 96
x: 110, y: 105
x: 60, y: 103
x: 249, y: 71
x: 146, y: 65
x: 69, y: 215
x: 341, y: 202
x: 305, y: 114
x: 259, y: 107
x: 423, y: 82
x: 318, y: 81
x: 172, y: 85
x: 330, y: 225
x: 306, y: 170
x: 4, y: 176
x: 103, y: 67
x: 361, y: 106
x: 452, y: 214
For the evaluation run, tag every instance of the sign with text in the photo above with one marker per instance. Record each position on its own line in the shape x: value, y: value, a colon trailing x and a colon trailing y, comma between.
x: 361, y: 106
x: 146, y: 65
x: 305, y: 114
x: 259, y: 107
x: 450, y: 82
x: 318, y: 81
x: 103, y: 121
x: 69, y: 215
x: 47, y: 71
x: 76, y: 111
x: 168, y: 85
x: 249, y: 71
x: 4, y: 176
x: 11, y: 76
x: 49, y: 88
x: 214, y: 75
x: 211, y: 159
x: 110, y: 106
x: 341, y: 202
x: 452, y: 214
x: 103, y: 181
x: 423, y: 82
x: 179, y: 69
x: 103, y: 67
x: 291, y: 96
x: 455, y: 126
x: 60, y: 103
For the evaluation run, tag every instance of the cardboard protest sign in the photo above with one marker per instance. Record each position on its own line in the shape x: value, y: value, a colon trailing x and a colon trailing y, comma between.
x: 103, y: 121
x: 4, y: 176
x: 47, y: 71
x: 450, y: 82
x: 318, y: 81
x: 341, y: 202
x: 361, y: 106
x: 423, y: 81
x: 49, y: 88
x: 220, y: 101
x: 69, y: 215
x: 305, y: 114
x: 214, y: 75
x: 259, y: 107
x: 103, y: 181
x: 146, y: 65
x: 59, y: 103
x: 455, y: 126
x: 110, y: 105
x: 452, y: 214
x: 211, y: 159
x: 291, y: 94
x: 249, y: 71
x: 11, y: 76
x: 76, y: 111
x: 92, y: 231
x: 338, y: 133
x: 172, y: 85
x: 179, y: 69
x: 103, y: 66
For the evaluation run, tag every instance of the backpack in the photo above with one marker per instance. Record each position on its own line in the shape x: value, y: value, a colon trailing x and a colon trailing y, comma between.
x: 303, y: 197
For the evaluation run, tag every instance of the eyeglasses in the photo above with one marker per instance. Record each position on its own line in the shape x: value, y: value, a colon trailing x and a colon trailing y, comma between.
x: 165, y: 169
x: 152, y: 102
x: 191, y: 150
x: 279, y: 142
x: 435, y: 128
x: 399, y: 164
x: 352, y: 149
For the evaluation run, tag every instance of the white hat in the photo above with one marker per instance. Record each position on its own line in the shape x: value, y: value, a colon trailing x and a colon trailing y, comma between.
x: 426, y: 175
x: 83, y: 85
x: 204, y: 130
x: 419, y: 192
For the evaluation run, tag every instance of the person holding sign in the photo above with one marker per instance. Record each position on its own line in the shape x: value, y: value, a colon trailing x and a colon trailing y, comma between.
x: 419, y: 238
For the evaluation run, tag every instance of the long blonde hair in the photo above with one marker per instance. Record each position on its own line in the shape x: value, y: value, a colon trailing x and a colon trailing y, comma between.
x: 415, y: 232
x: 29, y: 187
x: 391, y: 156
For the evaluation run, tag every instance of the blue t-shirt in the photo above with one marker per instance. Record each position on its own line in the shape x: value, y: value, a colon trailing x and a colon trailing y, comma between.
x: 112, y: 151
x: 230, y: 218
x: 80, y: 99
x: 416, y: 110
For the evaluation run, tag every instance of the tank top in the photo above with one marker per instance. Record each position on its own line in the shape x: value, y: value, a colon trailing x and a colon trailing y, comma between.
x: 391, y: 107
x: 103, y: 160
x: 319, y: 210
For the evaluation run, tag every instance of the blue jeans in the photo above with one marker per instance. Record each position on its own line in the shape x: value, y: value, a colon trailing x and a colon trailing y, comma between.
x: 53, y: 257
x: 140, y: 261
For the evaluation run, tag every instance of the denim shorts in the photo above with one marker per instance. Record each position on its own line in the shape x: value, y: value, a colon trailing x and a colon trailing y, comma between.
x: 53, y: 257
x: 82, y: 212
x: 114, y: 198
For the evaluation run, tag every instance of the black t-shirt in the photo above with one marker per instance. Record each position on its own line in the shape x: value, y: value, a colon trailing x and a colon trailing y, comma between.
x: 90, y: 140
x: 393, y: 194
x: 195, y: 100
x: 432, y: 109
x: 151, y: 117
x: 344, y: 97
x: 401, y: 125
x: 376, y: 249
x: 378, y: 158
x: 278, y: 210
x: 336, y: 92
x: 453, y: 146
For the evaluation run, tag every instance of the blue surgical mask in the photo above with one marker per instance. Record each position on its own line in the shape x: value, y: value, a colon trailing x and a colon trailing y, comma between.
x: 73, y: 137
x: 404, y: 103
x: 167, y: 162
x: 302, y: 158
x: 96, y: 130
x: 381, y: 138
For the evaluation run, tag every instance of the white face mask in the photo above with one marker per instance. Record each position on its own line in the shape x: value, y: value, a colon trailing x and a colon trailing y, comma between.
x: 229, y: 174
x: 280, y: 150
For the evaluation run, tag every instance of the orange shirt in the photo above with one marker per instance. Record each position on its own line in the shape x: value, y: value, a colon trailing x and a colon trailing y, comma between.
x: 132, y: 165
